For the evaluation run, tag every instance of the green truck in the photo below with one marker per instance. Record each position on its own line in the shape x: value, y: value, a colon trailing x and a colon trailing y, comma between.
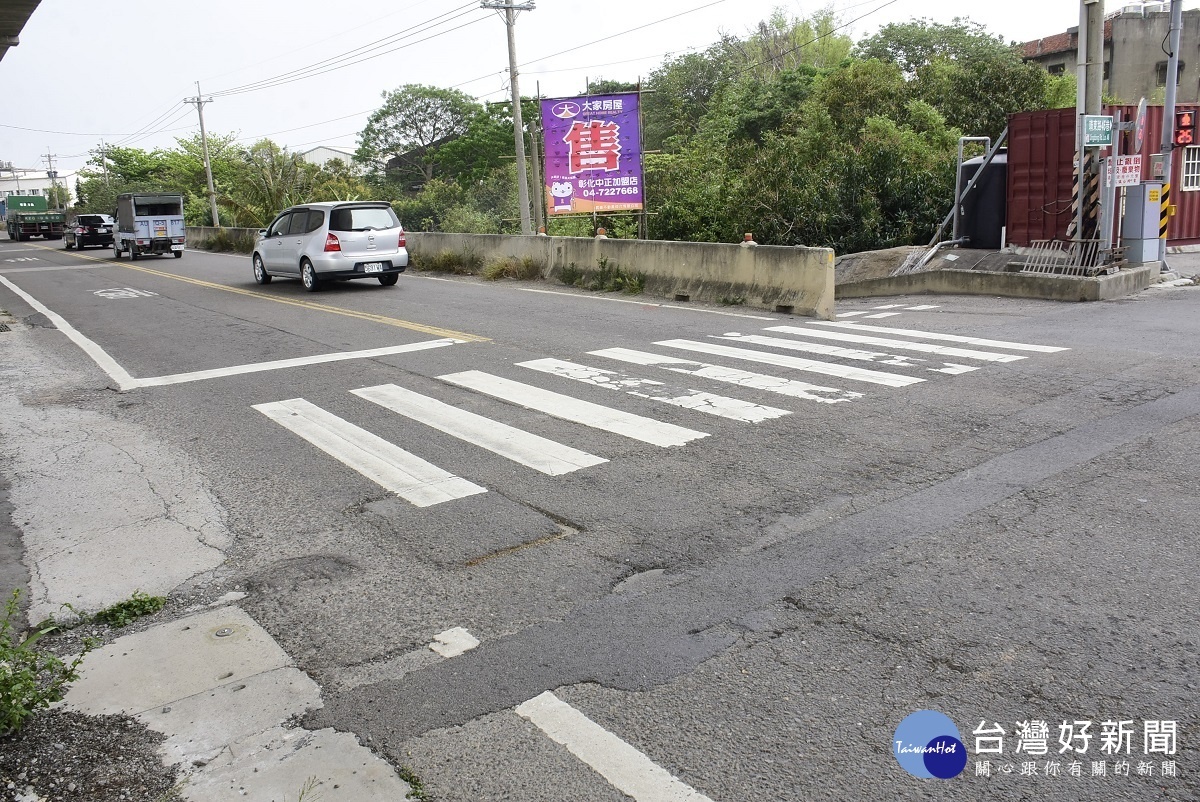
x: 29, y: 217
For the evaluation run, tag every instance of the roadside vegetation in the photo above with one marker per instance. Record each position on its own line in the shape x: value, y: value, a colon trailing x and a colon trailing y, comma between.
x: 31, y: 677
x: 793, y: 131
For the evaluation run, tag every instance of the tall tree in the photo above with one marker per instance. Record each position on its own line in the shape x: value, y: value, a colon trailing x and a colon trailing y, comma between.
x: 413, y: 123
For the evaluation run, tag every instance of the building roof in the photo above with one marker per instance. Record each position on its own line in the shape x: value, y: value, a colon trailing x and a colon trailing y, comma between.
x: 13, y: 16
x: 1060, y: 42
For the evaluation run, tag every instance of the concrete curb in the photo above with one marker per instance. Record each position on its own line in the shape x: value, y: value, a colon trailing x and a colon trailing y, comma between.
x: 1008, y: 285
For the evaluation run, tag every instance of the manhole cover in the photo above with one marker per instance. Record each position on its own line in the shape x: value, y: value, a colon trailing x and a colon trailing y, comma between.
x: 4, y: 327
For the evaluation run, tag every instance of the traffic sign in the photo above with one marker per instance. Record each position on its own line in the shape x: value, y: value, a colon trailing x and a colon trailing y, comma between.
x: 1097, y: 130
x: 1127, y: 171
x: 1139, y: 127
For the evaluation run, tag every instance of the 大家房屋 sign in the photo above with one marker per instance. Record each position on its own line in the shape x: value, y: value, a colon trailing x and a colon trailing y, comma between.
x: 593, y: 154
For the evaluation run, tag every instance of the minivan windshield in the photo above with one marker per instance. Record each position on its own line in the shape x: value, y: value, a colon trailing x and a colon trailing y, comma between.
x: 362, y: 218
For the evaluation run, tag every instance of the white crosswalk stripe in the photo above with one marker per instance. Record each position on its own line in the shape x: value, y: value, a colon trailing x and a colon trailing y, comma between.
x: 519, y: 446
x: 902, y: 345
x: 386, y: 464
x: 824, y: 349
x: 798, y: 363
x: 883, y: 314
x: 721, y: 406
x: 931, y: 335
x: 742, y: 378
x: 572, y: 409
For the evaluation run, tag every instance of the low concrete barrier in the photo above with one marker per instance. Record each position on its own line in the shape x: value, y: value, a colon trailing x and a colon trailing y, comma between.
x: 796, y: 280
x: 1009, y: 285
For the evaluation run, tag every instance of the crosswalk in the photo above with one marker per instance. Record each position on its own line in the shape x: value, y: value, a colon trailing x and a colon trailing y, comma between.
x: 667, y: 373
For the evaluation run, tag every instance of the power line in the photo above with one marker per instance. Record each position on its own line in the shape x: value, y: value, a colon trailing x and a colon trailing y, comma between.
x: 815, y: 39
x: 602, y: 39
x: 374, y: 23
x: 326, y: 65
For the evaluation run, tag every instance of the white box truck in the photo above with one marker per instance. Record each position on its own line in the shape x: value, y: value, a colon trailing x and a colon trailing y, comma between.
x: 149, y: 223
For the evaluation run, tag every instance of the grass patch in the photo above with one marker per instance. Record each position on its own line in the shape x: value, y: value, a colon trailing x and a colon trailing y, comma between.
x: 31, y: 679
x: 226, y: 242
x: 459, y: 263
x: 124, y: 613
x: 571, y: 275
x: 606, y: 278
x: 732, y: 300
x: 526, y: 268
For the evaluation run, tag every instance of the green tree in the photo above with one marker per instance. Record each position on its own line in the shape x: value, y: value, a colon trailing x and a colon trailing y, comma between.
x: 972, y: 77
x: 270, y: 179
x: 414, y: 122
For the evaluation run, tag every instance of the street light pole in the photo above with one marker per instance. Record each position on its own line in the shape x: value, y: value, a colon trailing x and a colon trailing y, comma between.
x: 510, y: 20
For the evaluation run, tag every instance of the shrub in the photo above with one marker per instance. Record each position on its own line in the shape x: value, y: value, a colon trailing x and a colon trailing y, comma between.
x: 571, y: 275
x: 30, y: 679
x: 525, y: 268
x: 457, y: 262
x: 225, y: 241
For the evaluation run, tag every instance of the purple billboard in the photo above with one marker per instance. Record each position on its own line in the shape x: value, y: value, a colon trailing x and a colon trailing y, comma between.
x: 593, y: 154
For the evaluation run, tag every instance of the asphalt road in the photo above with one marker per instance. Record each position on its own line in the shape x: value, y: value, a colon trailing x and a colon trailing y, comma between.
x: 997, y: 533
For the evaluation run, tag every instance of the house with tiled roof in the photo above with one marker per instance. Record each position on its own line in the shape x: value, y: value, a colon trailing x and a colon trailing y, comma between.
x: 1135, y: 65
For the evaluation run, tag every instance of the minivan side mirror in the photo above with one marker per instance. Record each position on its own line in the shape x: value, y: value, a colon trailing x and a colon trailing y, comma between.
x: 262, y: 232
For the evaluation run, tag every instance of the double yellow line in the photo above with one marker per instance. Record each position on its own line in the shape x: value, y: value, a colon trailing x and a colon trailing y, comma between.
x: 436, y: 331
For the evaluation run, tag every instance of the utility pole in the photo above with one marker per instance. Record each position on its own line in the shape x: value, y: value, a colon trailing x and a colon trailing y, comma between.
x: 1168, y: 125
x: 1089, y: 89
x: 104, y: 163
x: 199, y: 102
x: 510, y: 10
x: 52, y: 174
x: 539, y: 186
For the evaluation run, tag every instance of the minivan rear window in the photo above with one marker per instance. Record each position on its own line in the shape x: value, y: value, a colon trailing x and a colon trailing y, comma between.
x: 362, y: 218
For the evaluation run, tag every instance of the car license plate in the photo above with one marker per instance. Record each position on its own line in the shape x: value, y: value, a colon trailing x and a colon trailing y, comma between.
x: 177, y: 247
x: 373, y: 267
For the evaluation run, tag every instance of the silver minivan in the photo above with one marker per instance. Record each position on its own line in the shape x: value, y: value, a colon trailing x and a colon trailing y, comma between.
x: 332, y: 241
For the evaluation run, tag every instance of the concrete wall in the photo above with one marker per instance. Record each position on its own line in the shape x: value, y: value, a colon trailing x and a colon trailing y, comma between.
x: 1008, y: 285
x: 799, y: 280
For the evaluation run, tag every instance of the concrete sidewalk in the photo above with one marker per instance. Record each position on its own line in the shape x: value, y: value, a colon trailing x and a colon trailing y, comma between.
x: 213, y: 681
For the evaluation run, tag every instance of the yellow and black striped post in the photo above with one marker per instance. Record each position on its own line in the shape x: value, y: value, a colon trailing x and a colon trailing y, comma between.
x: 1087, y: 192
x: 1164, y: 210
x: 1091, y: 195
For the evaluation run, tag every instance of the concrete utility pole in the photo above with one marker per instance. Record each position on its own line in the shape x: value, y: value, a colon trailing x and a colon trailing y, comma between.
x: 104, y: 162
x: 199, y: 102
x: 1168, y: 126
x: 52, y: 174
x: 510, y: 19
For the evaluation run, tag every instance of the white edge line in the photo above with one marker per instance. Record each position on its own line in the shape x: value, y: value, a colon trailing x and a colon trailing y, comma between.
x: 628, y: 770
x: 279, y: 364
x: 106, y: 363
x: 645, y: 303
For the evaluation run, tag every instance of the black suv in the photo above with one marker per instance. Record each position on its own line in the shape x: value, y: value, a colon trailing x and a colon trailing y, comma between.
x: 89, y: 229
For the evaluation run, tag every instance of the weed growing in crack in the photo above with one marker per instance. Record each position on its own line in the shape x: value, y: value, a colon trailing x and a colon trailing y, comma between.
x: 31, y: 679
x: 126, y: 612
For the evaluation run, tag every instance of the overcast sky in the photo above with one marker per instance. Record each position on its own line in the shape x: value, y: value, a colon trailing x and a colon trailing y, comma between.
x: 120, y: 70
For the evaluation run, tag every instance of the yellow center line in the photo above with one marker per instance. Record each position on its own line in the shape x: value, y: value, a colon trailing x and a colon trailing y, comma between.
x: 336, y: 310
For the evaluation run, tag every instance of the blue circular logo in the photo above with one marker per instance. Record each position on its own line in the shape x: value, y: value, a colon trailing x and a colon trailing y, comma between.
x: 927, y: 744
